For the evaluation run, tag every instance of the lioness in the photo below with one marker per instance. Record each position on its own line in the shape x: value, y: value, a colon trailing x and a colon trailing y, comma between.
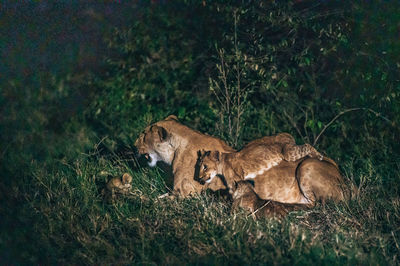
x: 315, y: 179
x: 177, y: 145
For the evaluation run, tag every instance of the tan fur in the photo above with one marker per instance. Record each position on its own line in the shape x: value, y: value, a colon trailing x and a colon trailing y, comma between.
x: 284, y: 146
x: 300, y: 182
x: 261, y: 155
x: 176, y: 144
x: 249, y: 164
x: 246, y: 198
x: 120, y: 185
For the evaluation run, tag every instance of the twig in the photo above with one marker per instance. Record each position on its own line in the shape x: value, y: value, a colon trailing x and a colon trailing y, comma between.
x: 333, y: 120
x: 293, y: 124
x: 395, y: 241
x: 265, y: 204
x: 346, y: 111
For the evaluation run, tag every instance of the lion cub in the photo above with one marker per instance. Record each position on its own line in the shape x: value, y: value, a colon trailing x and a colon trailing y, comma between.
x: 283, y: 147
x: 253, y: 160
x: 120, y: 185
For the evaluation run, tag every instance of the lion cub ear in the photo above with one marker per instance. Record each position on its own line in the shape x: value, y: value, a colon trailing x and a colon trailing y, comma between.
x: 203, y: 153
x: 126, y: 179
x: 215, y: 155
x: 171, y: 118
x: 161, y: 132
x: 200, y: 153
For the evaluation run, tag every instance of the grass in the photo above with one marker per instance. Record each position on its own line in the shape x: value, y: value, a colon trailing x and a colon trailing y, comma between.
x: 64, y: 216
x: 54, y: 210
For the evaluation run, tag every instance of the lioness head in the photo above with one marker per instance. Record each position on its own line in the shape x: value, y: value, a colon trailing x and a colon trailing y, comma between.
x: 208, y: 162
x: 155, y: 144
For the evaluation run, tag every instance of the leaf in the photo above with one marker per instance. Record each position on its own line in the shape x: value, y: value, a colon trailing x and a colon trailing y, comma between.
x: 311, y: 124
x: 181, y: 112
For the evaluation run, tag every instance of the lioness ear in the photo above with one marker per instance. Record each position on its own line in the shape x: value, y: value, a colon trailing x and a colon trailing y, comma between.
x: 162, y: 133
x: 215, y: 155
x: 171, y: 118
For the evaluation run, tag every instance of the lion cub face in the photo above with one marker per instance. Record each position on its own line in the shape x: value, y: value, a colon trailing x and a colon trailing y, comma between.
x: 120, y: 185
x: 208, y: 162
x: 155, y: 144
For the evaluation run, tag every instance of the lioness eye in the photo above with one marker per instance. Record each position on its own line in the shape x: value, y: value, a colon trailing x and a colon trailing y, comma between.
x: 204, y: 167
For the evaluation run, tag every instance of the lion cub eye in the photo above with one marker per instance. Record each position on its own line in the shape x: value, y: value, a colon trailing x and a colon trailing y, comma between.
x: 204, y: 167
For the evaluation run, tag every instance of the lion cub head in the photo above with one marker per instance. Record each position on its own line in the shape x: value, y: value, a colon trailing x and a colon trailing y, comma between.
x: 120, y: 185
x: 155, y: 144
x: 208, y: 163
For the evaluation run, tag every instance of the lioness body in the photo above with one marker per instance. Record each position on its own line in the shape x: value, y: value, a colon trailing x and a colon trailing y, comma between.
x: 289, y: 182
x: 177, y: 145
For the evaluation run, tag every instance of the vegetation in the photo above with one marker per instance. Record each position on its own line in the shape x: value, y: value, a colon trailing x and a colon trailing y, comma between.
x: 68, y: 121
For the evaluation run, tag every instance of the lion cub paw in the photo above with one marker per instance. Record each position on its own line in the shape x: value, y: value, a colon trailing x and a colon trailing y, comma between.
x: 314, y: 153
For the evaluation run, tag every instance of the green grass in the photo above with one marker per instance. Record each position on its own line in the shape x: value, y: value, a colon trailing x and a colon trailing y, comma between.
x: 65, y: 218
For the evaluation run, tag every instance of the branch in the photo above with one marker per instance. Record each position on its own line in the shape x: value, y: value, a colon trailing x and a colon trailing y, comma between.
x: 346, y: 111
x: 293, y: 124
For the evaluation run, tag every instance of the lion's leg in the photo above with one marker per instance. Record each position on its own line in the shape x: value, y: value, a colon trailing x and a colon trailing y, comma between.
x: 184, y: 183
x: 186, y: 188
x: 293, y: 152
